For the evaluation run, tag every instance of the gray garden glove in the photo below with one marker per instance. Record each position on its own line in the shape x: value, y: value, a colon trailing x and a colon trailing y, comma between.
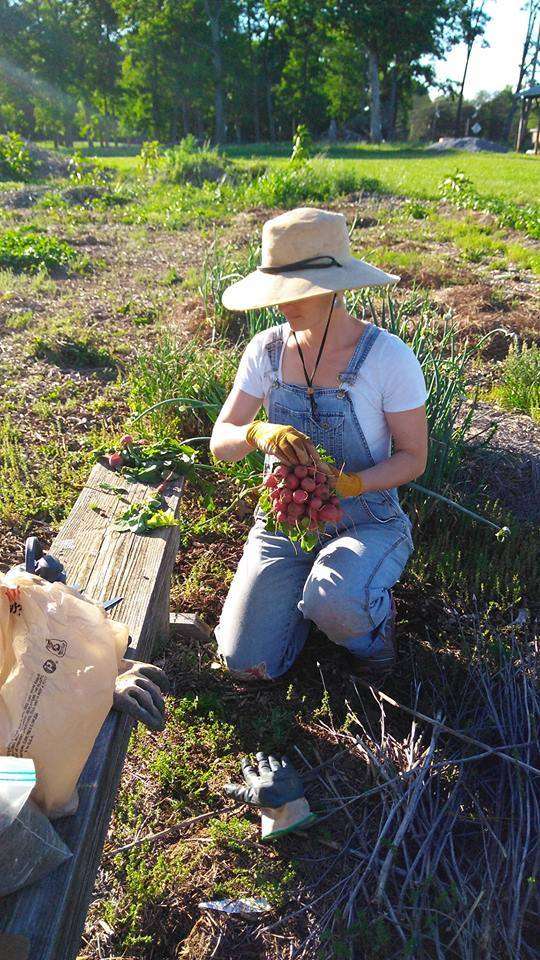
x: 138, y: 692
x: 278, y: 792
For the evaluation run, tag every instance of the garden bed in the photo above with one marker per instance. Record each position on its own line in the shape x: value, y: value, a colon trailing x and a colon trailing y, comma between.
x: 79, y: 355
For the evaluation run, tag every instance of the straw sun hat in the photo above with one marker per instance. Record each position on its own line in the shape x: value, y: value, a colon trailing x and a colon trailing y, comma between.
x: 305, y: 252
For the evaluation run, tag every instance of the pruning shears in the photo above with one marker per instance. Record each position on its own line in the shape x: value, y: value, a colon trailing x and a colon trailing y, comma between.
x: 49, y: 568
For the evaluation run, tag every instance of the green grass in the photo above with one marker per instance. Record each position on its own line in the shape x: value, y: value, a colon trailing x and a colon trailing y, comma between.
x: 415, y: 172
x: 41, y: 482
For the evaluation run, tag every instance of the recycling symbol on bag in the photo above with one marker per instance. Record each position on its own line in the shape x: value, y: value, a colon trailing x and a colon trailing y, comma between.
x: 57, y: 647
x: 49, y: 666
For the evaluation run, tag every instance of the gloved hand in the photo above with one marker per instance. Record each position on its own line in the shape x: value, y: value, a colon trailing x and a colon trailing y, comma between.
x: 138, y: 692
x: 285, y: 443
x: 278, y: 791
x: 346, y: 484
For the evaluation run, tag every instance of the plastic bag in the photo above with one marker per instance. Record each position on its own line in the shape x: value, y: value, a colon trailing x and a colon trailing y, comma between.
x: 29, y: 845
x: 59, y: 659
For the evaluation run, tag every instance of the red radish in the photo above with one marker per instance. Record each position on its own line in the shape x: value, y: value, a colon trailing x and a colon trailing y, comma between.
x: 313, y: 524
x: 308, y: 483
x: 292, y: 482
x: 286, y: 495
x: 328, y: 513
x: 126, y: 440
x: 311, y: 471
x: 320, y: 477
x: 322, y: 491
x: 281, y: 517
x: 295, y: 510
x: 301, y: 471
x: 271, y: 480
x: 282, y: 470
x: 116, y: 460
x: 335, y: 500
x: 316, y: 503
x: 300, y: 496
x: 275, y: 494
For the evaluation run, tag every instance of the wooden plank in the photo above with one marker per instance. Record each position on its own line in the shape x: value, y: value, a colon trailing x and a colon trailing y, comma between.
x: 105, y: 563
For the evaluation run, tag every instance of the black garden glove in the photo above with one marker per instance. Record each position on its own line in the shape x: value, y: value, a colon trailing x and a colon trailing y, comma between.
x: 279, y: 793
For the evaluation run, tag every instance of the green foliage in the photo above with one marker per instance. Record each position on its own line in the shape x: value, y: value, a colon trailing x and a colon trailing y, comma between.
x: 15, y: 160
x: 85, y: 172
x: 459, y: 189
x: 302, y: 144
x: 70, y: 349
x: 309, y: 181
x: 144, y: 517
x: 519, y: 386
x: 199, y: 372
x: 446, y: 363
x: 150, y: 157
x: 190, y: 163
x: 26, y: 250
x: 222, y: 266
x: 38, y: 480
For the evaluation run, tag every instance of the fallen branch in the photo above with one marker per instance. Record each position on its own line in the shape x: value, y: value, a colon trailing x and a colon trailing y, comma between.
x: 494, y: 751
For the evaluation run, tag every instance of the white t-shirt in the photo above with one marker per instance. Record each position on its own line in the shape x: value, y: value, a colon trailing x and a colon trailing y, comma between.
x: 390, y: 380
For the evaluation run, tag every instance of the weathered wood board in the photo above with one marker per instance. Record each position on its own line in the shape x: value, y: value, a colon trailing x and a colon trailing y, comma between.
x: 105, y: 564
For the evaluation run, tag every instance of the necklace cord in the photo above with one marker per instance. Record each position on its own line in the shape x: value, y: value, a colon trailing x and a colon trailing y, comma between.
x: 309, y: 380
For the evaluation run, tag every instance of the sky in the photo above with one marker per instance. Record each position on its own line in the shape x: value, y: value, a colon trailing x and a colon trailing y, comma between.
x: 494, y: 67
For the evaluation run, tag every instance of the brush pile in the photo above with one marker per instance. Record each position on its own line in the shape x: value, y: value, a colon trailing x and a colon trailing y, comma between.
x: 435, y: 837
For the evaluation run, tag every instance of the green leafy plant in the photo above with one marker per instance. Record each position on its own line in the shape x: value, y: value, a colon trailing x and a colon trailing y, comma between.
x: 28, y: 250
x: 143, y: 517
x: 460, y: 190
x: 302, y: 144
x: 150, y: 157
x: 15, y: 160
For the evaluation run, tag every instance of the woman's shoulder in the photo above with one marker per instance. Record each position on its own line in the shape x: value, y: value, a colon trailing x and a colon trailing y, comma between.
x: 388, y: 346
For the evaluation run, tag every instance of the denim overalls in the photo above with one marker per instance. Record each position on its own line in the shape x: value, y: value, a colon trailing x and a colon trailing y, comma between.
x: 343, y: 584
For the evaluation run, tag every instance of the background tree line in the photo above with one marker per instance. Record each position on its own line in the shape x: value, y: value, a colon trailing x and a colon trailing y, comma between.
x: 233, y: 69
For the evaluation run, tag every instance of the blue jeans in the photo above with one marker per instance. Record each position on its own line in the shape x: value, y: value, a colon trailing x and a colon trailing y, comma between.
x: 343, y: 586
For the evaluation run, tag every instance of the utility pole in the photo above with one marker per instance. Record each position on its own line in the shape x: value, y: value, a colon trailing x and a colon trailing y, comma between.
x: 527, y: 67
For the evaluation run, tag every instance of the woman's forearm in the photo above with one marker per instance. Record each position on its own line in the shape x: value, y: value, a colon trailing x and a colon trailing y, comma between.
x: 400, y: 468
x: 228, y: 441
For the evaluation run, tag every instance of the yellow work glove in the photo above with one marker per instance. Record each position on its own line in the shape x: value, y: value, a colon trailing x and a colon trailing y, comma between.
x: 347, y: 484
x: 285, y: 443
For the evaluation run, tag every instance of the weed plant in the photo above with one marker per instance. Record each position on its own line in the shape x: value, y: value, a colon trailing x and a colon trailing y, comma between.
x: 15, y: 160
x: 190, y: 163
x: 519, y: 386
x: 27, y: 250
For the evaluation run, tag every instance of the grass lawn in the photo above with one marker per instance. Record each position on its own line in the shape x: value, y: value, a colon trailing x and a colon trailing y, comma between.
x: 109, y: 301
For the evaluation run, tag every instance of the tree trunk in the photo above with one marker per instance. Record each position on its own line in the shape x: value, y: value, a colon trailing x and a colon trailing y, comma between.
x: 457, y: 128
x: 213, y: 12
x: 254, y: 80
x: 269, y: 102
x: 185, y: 117
x: 393, y: 103
x: 375, y: 91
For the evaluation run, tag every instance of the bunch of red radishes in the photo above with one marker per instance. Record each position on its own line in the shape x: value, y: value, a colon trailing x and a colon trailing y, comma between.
x: 299, y: 493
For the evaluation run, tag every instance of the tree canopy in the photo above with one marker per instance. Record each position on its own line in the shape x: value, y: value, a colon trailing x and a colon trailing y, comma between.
x: 223, y: 69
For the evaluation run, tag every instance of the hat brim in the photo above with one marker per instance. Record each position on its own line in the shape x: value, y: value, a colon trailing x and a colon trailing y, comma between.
x: 261, y: 289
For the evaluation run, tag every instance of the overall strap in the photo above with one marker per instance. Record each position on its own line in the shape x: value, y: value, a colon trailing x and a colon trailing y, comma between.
x: 360, y: 354
x: 274, y: 347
